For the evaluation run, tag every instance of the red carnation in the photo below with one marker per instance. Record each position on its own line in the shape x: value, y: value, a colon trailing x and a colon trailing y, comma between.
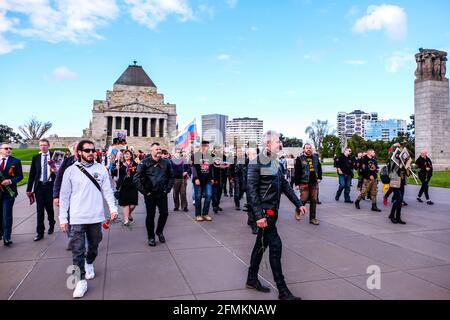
x: 270, y: 212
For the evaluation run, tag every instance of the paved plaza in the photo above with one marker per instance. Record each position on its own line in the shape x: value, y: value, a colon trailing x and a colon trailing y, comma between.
x: 209, y: 260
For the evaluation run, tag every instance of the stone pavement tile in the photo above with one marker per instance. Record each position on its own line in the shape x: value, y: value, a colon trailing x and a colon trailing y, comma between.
x: 24, y: 248
x: 409, y: 241
x: 211, y: 269
x: 124, y: 240
x: 184, y: 237
x: 334, y: 289
x: 143, y: 276
x: 295, y: 267
x: 11, y: 273
x: 437, y: 275
x: 29, y: 226
x: 230, y: 234
x: 358, y: 226
x: 187, y: 297
x: 58, y: 248
x: 48, y: 281
x: 389, y: 254
x: 402, y: 286
x: 338, y: 260
x: 442, y: 236
x: 412, y: 224
x: 243, y: 294
x: 325, y: 230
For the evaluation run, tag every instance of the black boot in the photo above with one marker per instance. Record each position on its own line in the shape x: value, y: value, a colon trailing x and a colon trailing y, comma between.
x: 255, y: 284
x: 399, y: 220
x: 285, y: 294
x: 357, y: 204
x: 254, y: 229
x: 391, y: 217
x: 374, y: 208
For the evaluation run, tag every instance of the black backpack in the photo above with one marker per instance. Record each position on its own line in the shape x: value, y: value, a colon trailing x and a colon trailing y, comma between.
x: 384, y: 174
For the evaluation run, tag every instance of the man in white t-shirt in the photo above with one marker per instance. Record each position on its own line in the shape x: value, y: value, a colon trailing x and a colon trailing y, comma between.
x: 85, y: 184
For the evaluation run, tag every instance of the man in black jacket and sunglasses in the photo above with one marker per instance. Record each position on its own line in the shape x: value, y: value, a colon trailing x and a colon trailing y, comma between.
x: 154, y: 179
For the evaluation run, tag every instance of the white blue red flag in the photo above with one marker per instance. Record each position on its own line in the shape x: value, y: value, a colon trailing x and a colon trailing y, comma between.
x: 189, y: 133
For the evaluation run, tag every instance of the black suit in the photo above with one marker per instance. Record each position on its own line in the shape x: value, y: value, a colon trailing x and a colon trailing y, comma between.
x: 43, y: 192
x: 13, y: 172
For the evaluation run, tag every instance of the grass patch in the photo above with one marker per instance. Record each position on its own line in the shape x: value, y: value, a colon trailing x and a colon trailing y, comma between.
x: 26, y: 155
x: 24, y: 180
x: 440, y: 179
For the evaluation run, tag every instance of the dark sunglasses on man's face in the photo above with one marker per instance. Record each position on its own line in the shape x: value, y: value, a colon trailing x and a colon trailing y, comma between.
x: 7, y: 148
x: 89, y: 150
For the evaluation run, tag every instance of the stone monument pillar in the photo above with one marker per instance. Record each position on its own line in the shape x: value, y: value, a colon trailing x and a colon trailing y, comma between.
x: 431, y: 107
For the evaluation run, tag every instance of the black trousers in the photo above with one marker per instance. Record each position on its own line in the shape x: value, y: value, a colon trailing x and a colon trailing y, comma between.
x: 396, y: 211
x: 268, y: 237
x: 217, y: 194
x: 424, y: 189
x: 151, y: 203
x: 44, y: 202
x: 238, y: 190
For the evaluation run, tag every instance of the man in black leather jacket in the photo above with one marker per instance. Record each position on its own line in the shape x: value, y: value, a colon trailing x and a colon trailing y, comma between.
x: 154, y: 179
x: 265, y: 184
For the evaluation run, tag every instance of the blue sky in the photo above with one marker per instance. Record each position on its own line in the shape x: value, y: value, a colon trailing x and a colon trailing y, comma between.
x: 287, y: 62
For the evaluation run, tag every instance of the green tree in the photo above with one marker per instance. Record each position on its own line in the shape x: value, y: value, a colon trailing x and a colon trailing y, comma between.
x: 330, y: 144
x: 7, y: 134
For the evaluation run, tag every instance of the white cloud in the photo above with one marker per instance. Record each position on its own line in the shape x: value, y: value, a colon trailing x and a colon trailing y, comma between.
x: 356, y: 62
x: 63, y: 73
x: 151, y: 12
x: 223, y: 56
x: 254, y: 28
x: 61, y: 20
x: 398, y: 60
x: 7, y: 25
x: 232, y: 3
x: 391, y: 18
x: 209, y: 10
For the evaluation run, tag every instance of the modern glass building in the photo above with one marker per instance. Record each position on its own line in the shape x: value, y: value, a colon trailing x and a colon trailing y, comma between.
x: 385, y: 130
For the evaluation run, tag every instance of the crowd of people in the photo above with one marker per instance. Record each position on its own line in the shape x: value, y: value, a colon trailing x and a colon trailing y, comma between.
x: 88, y: 177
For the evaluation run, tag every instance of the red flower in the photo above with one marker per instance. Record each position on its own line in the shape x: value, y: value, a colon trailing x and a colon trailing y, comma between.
x: 270, y: 212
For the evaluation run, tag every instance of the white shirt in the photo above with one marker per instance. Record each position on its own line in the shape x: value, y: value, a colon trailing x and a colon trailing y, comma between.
x: 83, y: 198
x: 6, y: 161
x: 42, y: 167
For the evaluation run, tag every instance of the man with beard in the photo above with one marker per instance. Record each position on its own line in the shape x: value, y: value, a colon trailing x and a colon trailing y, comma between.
x: 265, y: 184
x: 203, y: 182
x: 84, y: 186
x: 370, y: 182
x: 154, y: 179
x: 345, y: 165
x: 308, y: 174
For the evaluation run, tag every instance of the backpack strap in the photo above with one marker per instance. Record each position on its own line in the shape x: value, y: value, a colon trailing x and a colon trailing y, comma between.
x: 82, y: 169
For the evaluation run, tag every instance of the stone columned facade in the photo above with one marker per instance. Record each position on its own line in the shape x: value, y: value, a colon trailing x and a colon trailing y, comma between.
x: 134, y: 105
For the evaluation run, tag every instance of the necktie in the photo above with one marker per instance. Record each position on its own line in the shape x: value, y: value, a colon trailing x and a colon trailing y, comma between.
x: 44, y: 174
x: 2, y: 165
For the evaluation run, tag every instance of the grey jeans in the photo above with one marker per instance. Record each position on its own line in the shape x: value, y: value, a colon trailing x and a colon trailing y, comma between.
x: 81, y: 232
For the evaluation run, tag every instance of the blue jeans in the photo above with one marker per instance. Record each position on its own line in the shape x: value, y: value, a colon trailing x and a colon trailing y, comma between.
x: 6, y: 215
x: 345, y: 183
x: 206, y: 190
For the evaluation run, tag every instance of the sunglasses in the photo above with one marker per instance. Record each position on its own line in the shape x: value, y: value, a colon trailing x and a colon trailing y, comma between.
x: 89, y: 150
x: 7, y: 148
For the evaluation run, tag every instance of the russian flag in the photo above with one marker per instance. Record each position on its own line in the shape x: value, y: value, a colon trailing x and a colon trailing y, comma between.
x: 189, y: 133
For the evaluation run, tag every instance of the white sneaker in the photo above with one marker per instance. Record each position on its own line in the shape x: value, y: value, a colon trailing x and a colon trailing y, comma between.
x: 90, y: 273
x: 80, y: 289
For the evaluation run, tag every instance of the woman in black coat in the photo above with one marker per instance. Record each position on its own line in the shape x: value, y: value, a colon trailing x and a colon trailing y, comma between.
x: 127, y: 191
